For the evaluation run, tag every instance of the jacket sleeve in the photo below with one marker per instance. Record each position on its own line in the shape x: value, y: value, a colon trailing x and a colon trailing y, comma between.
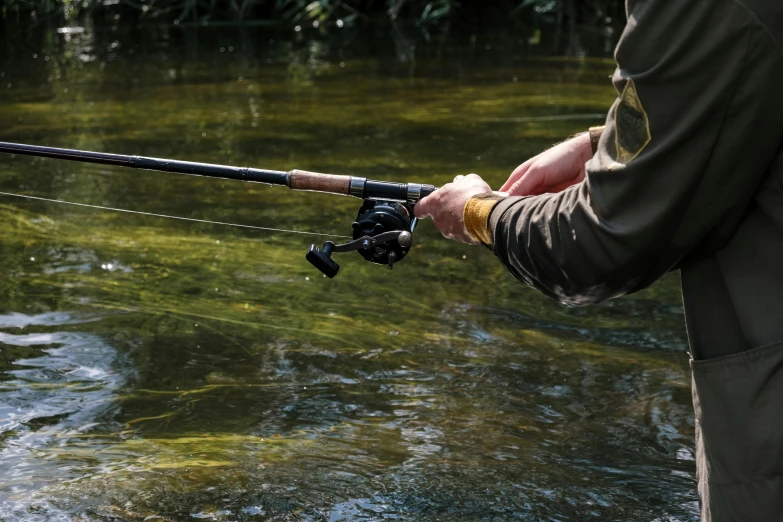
x: 694, y: 128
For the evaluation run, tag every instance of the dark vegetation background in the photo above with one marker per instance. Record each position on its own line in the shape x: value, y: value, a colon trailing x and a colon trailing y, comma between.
x: 326, y: 11
x: 523, y: 19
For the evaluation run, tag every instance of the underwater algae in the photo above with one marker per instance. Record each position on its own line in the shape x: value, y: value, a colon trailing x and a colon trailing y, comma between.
x: 203, y: 371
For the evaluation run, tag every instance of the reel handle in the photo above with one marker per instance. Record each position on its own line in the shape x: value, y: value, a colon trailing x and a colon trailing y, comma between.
x: 322, y: 259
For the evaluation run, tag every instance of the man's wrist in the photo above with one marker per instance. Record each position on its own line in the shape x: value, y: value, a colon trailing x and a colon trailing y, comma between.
x: 476, y: 216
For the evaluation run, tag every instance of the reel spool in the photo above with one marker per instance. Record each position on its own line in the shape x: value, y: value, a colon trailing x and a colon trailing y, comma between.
x: 382, y: 234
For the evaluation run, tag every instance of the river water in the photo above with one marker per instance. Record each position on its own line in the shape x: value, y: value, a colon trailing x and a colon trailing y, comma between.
x: 155, y: 369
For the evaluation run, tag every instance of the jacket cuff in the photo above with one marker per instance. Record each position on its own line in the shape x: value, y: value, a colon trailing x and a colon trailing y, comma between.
x: 494, y: 220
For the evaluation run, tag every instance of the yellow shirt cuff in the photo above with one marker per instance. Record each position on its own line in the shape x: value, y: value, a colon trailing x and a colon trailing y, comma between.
x: 595, y: 137
x: 476, y: 216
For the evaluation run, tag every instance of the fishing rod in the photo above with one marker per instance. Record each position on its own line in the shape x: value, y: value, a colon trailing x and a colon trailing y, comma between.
x: 382, y: 232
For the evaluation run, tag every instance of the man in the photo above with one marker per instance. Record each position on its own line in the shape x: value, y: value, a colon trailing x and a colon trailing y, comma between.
x: 687, y: 174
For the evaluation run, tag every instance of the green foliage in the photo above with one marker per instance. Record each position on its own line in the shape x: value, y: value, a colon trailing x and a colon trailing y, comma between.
x: 436, y: 10
x: 317, y: 12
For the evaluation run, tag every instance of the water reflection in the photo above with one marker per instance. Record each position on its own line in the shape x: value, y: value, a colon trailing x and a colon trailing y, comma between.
x: 159, y: 369
x: 55, y: 387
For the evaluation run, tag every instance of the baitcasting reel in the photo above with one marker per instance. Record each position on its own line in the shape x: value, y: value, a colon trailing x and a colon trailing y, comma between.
x: 382, y: 234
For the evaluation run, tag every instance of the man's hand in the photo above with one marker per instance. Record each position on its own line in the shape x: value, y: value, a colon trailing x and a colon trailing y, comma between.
x: 446, y: 205
x: 551, y: 171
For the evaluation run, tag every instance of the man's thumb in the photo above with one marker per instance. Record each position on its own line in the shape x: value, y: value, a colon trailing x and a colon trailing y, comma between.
x: 421, y: 209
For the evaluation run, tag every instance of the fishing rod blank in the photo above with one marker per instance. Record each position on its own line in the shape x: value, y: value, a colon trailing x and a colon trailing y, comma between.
x: 382, y: 231
x: 294, y: 179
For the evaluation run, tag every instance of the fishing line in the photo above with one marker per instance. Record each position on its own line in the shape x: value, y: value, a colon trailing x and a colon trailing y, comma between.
x: 381, y: 231
x: 554, y: 117
x: 171, y: 217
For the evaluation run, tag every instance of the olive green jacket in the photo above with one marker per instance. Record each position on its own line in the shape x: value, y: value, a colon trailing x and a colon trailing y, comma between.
x: 688, y: 174
x: 704, y: 194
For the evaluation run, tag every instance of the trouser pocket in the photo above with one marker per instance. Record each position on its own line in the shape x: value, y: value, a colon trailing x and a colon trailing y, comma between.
x: 738, y: 401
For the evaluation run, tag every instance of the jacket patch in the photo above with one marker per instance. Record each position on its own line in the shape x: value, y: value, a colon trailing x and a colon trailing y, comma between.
x: 632, y: 129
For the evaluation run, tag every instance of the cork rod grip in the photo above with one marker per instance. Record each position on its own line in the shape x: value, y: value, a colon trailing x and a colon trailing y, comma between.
x: 333, y: 183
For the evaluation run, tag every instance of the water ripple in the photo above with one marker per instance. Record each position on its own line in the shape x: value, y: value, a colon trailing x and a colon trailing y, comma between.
x: 58, y: 386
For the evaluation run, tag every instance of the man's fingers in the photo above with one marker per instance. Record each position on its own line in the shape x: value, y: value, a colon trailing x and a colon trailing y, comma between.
x: 520, y: 188
x: 524, y: 187
x: 515, y: 176
x: 421, y: 208
x: 446, y: 205
x: 509, y: 183
x: 518, y: 173
x: 535, y: 181
x: 427, y: 205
